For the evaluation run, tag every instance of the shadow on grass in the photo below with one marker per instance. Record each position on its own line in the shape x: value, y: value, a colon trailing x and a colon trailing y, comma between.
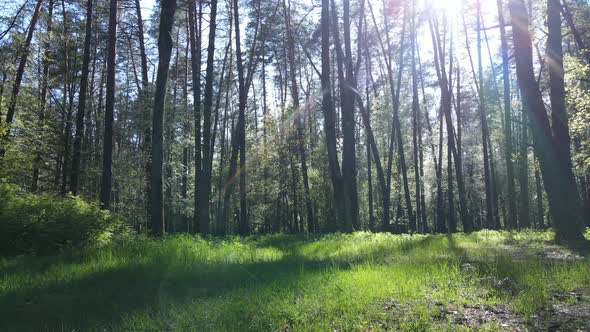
x: 100, y: 300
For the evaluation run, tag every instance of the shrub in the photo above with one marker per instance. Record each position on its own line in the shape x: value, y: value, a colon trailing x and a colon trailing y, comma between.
x: 44, y: 224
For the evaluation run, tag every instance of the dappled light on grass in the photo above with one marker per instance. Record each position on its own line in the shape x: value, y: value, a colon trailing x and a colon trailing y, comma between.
x: 338, y: 281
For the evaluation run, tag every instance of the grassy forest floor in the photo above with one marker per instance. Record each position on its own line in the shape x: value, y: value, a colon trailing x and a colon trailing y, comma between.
x: 358, y: 282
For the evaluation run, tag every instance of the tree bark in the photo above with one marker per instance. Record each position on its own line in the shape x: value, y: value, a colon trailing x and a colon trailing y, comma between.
x: 349, y: 168
x: 558, y: 178
x: 298, y: 117
x: 329, y: 112
x: 195, y: 46
x: 168, y: 7
x: 512, y: 218
x: 75, y: 177
x: 205, y: 178
x: 146, y: 111
x: 43, y: 97
x: 107, y: 156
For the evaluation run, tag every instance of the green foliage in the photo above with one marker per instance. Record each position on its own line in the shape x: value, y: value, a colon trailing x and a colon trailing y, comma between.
x: 44, y: 224
x: 578, y: 100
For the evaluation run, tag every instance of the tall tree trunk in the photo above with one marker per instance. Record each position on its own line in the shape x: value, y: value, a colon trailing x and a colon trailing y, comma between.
x: 372, y: 150
x: 396, y: 125
x: 43, y: 97
x: 195, y: 45
x: 222, y: 226
x: 445, y: 85
x: 240, y: 138
x: 558, y: 177
x: 168, y: 146
x: 298, y: 117
x: 345, y: 108
x: 146, y: 112
x: 185, y: 131
x: 20, y: 70
x: 329, y: 112
x: 466, y: 216
x: 75, y: 178
x: 369, y: 165
x: 415, y: 123
x: 168, y: 7
x: 559, y: 117
x: 511, y: 222
x: 205, y: 178
x: 490, y: 207
x: 395, y: 95
x: 450, y: 198
x: 349, y: 181
x: 107, y: 156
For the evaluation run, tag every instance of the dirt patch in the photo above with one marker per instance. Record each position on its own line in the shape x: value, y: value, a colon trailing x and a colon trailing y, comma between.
x: 478, y: 316
x: 569, y: 312
x: 474, y: 316
x: 560, y: 254
x: 547, y: 250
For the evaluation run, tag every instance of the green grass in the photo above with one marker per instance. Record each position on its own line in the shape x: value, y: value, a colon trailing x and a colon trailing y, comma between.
x: 279, y: 282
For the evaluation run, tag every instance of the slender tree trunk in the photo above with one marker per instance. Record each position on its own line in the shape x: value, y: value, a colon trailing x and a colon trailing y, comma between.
x: 222, y: 225
x: 395, y: 95
x: 369, y: 165
x: 168, y: 7
x: 205, y: 178
x: 349, y: 168
x: 466, y: 216
x: 195, y: 45
x: 400, y: 145
x: 329, y: 112
x: 107, y: 156
x: 512, y: 219
x: 43, y: 97
x: 490, y: 220
x: 240, y: 140
x: 75, y: 179
x: 441, y: 222
x: 415, y: 123
x: 298, y: 117
x: 185, y: 130
x: 445, y: 84
x: 146, y: 112
x: 168, y: 145
x: 451, y: 198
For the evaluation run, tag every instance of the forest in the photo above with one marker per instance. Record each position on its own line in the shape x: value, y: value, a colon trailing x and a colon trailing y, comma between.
x: 190, y: 165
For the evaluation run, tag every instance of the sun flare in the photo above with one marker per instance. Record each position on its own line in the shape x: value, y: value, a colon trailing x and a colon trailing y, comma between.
x: 447, y: 6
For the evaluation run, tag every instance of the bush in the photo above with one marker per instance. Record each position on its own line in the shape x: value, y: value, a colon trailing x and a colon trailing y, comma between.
x: 45, y: 224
